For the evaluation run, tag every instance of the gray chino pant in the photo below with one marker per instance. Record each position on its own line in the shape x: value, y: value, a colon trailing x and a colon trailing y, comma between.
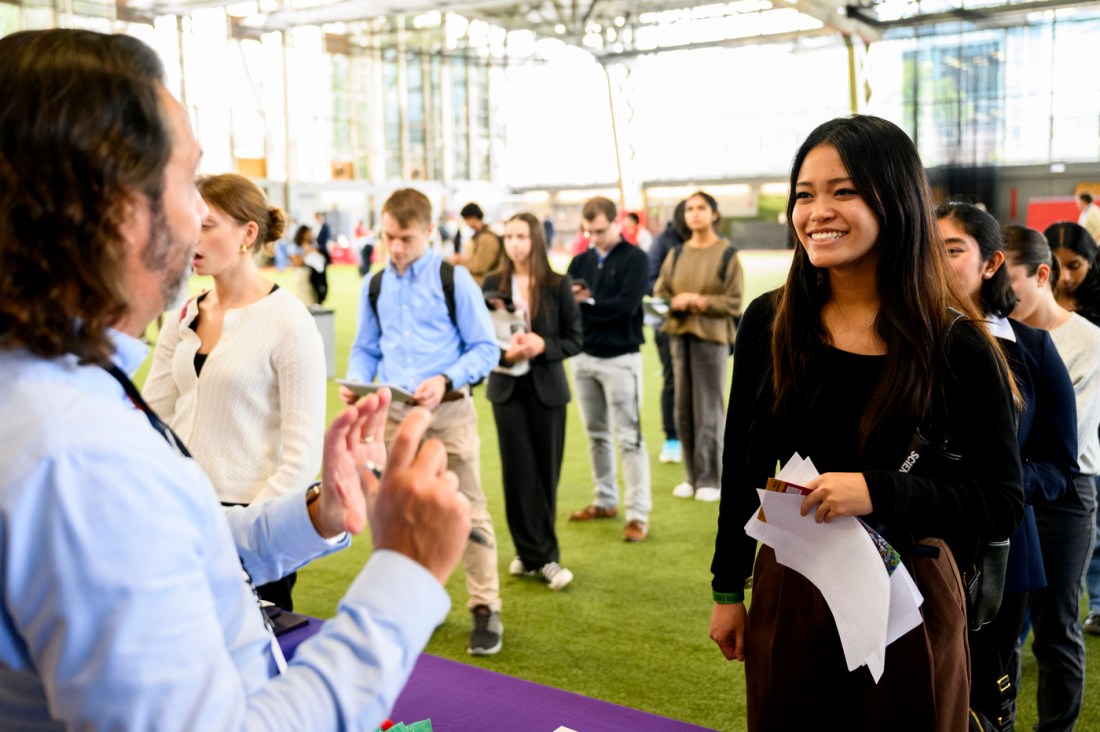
x: 609, y: 393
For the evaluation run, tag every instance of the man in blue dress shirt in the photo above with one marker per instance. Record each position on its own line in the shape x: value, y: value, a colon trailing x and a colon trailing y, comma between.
x: 124, y: 600
x: 414, y: 335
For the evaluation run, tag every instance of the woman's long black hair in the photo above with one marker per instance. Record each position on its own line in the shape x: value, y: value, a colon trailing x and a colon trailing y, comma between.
x: 997, y: 295
x: 916, y: 288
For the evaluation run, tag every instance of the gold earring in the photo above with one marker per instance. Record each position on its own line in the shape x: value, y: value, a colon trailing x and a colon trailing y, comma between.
x: 244, y: 249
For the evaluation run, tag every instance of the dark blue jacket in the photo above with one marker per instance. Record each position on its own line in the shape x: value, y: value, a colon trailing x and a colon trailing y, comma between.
x: 665, y: 242
x: 1048, y: 444
x: 613, y: 321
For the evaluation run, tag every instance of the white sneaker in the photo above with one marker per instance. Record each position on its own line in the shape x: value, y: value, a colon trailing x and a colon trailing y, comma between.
x: 684, y: 490
x: 516, y: 569
x: 556, y: 576
x: 709, y: 495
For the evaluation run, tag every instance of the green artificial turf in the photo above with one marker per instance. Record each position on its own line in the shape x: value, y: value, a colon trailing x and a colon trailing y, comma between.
x: 632, y: 627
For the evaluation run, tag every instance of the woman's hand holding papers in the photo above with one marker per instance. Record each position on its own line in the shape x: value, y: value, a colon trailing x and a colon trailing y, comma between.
x: 727, y: 629
x: 833, y: 495
x: 524, y: 346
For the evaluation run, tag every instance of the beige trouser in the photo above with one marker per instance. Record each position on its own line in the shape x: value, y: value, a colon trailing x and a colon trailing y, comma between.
x: 455, y: 425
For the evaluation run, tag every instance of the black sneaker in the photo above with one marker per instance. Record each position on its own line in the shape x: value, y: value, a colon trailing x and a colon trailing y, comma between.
x: 485, y: 638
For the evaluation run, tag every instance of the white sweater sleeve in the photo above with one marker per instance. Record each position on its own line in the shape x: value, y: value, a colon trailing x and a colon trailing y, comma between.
x: 160, y: 390
x: 299, y: 362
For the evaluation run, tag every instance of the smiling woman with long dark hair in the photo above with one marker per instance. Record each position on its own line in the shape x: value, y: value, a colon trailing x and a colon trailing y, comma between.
x: 862, y: 347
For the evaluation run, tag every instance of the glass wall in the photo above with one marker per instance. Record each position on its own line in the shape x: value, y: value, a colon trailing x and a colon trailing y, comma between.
x: 434, y: 96
x: 1019, y: 95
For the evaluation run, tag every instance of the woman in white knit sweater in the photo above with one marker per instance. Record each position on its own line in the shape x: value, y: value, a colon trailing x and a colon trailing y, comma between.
x: 239, y: 374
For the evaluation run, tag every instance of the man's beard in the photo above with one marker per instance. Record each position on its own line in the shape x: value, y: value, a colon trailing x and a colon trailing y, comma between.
x: 157, y: 257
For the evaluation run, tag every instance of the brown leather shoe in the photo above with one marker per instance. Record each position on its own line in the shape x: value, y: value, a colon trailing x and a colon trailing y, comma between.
x: 635, y: 531
x: 593, y: 512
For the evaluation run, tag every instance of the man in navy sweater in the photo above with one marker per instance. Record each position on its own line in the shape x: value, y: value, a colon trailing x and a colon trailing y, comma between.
x: 609, y: 281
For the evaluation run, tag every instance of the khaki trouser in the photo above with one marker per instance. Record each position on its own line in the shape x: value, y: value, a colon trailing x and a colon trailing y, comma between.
x: 455, y: 425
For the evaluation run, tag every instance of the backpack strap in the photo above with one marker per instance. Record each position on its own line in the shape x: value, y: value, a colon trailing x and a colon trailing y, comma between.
x: 676, y: 252
x: 446, y: 278
x: 727, y: 255
x: 374, y: 289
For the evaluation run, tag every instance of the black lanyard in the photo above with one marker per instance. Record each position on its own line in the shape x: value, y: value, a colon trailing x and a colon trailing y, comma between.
x: 158, y: 424
x: 173, y: 439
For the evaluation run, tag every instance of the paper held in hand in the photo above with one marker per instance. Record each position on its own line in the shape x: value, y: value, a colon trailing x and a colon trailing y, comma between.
x: 505, y: 324
x: 870, y: 593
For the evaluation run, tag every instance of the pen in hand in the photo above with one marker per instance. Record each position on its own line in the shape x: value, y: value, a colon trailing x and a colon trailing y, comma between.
x: 476, y: 536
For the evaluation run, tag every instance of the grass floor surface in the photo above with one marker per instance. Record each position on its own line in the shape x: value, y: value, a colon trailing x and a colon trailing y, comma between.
x: 632, y: 627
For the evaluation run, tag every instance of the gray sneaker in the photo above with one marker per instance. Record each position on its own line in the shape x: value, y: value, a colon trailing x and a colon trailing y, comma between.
x: 485, y: 638
x: 1092, y: 623
x: 556, y: 576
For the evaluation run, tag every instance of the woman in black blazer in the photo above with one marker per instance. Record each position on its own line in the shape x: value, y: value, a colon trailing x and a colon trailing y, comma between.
x: 1047, y: 435
x: 529, y: 391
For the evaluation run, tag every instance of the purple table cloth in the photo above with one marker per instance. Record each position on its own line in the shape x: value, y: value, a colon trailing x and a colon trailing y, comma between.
x: 462, y: 698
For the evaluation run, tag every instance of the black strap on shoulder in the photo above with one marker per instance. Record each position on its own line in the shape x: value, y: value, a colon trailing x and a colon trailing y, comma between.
x: 374, y: 289
x: 154, y: 419
x: 727, y: 255
x: 446, y: 278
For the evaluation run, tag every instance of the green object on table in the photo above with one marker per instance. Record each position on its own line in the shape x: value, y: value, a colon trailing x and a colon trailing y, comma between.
x: 424, y: 725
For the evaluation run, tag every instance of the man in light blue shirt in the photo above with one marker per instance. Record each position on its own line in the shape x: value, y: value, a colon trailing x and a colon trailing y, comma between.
x: 126, y: 589
x: 424, y: 327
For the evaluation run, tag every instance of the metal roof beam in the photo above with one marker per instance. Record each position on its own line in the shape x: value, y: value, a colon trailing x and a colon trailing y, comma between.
x: 830, y: 15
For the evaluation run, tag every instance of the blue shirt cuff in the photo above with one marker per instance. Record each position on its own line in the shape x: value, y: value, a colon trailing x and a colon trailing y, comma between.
x: 288, y: 518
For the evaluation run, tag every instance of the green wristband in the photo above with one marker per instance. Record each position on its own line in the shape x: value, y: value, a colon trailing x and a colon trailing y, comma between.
x: 728, y: 598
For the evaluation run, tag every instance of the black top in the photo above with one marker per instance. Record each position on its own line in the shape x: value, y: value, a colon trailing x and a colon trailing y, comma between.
x: 613, y: 321
x: 979, y: 497
x: 200, y: 358
x: 558, y: 321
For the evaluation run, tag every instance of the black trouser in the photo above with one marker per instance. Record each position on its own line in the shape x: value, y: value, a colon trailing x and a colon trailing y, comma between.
x: 994, y: 655
x: 277, y: 592
x: 1067, y: 530
x: 531, y: 436
x: 668, y: 384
